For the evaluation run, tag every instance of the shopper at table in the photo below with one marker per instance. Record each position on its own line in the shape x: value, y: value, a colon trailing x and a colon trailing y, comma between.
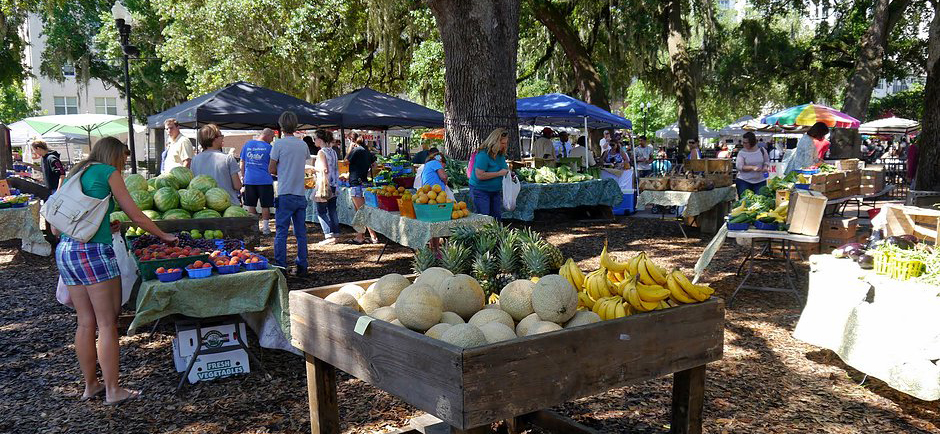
x: 752, y: 164
x: 213, y: 162
x: 360, y: 163
x: 662, y: 165
x: 644, y: 157
x: 324, y: 193
x: 91, y: 274
x: 695, y: 150
x: 179, y: 150
x: 52, y: 168
x: 258, y: 183
x: 724, y: 152
x: 605, y: 142
x: 289, y: 154
x: 433, y: 172
x: 579, y: 150
x: 543, y: 146
x: 806, y: 152
x: 489, y: 167
x: 616, y: 157
x: 912, y: 164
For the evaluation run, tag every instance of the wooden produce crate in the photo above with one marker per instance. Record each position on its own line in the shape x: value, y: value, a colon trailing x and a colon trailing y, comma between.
x: 922, y: 223
x: 838, y: 227
x: 796, y: 249
x: 244, y: 228
x: 536, y: 163
x: 709, y: 165
x: 512, y: 380
x: 848, y: 164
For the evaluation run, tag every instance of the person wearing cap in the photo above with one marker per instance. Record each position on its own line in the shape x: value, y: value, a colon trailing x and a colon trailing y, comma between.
x: 605, y: 142
x: 543, y: 147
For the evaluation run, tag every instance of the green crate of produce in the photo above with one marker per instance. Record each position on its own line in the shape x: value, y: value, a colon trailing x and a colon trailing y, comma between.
x: 148, y: 268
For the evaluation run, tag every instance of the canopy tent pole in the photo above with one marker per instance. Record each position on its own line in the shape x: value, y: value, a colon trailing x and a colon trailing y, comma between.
x: 587, y: 144
x: 532, y: 139
x: 636, y: 170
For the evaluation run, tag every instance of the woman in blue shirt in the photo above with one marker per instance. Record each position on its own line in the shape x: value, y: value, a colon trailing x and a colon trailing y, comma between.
x: 489, y: 166
x: 433, y: 172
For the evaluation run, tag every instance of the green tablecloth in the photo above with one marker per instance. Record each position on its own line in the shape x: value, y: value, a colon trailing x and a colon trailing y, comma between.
x: 23, y: 224
x: 410, y: 232
x: 695, y: 202
x: 229, y: 294
x: 550, y: 196
x: 344, y: 207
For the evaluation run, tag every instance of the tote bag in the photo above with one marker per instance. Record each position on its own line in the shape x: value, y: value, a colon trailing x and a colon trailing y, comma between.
x: 73, y: 212
x: 511, y: 189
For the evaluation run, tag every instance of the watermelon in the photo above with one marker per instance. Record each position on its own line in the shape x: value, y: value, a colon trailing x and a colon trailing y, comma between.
x: 235, y: 211
x: 176, y: 214
x: 117, y: 206
x: 166, y: 199
x: 192, y: 200
x: 152, y: 183
x: 218, y: 199
x: 151, y: 214
x: 135, y: 182
x: 203, y: 183
x: 207, y: 214
x: 120, y: 216
x: 166, y: 180
x: 183, y: 176
x: 143, y: 199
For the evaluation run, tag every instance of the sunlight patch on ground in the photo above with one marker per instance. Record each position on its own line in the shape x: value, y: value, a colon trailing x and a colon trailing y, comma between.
x: 6, y: 258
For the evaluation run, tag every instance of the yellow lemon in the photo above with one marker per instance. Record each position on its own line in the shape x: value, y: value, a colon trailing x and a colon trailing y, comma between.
x: 432, y: 195
x: 461, y: 205
x: 454, y: 215
x: 436, y: 188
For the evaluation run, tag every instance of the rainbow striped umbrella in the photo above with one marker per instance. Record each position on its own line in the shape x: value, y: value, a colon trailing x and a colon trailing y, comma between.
x: 809, y: 114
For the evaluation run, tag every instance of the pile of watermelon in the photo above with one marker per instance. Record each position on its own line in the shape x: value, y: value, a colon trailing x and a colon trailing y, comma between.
x: 178, y: 195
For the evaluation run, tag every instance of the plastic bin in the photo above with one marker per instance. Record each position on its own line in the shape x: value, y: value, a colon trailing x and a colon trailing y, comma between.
x: 228, y: 269
x: 170, y: 277
x: 406, y: 208
x: 766, y: 226
x: 439, y: 212
x: 5, y: 205
x: 260, y: 265
x: 199, y: 273
x: 371, y: 199
x: 626, y: 206
x: 808, y: 171
x: 388, y: 203
x: 19, y: 205
x: 882, y: 262
x: 904, y: 270
x: 738, y: 226
x: 407, y: 182
x: 801, y: 186
x: 148, y: 268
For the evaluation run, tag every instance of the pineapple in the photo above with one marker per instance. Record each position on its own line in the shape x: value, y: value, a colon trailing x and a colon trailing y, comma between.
x: 501, y: 280
x: 508, y: 256
x: 485, y: 267
x: 456, y: 258
x: 528, y: 236
x: 553, y: 254
x: 534, y: 261
x: 463, y: 235
x: 486, y: 243
x: 424, y: 258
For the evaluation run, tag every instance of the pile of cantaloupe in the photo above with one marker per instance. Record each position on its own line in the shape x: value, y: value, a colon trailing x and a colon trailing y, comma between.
x: 452, y: 307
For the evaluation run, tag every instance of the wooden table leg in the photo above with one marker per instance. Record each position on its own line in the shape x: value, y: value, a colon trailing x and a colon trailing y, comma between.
x: 688, y: 398
x: 321, y: 390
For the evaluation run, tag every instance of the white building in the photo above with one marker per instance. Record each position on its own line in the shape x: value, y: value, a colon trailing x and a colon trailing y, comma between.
x: 66, y: 97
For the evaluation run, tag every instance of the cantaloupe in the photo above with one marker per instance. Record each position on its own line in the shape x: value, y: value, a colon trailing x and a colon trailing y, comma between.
x: 451, y: 318
x: 398, y: 323
x: 523, y: 327
x: 369, y: 302
x: 436, y: 331
x: 434, y: 276
x: 492, y: 306
x: 516, y: 299
x: 582, y: 317
x: 464, y: 336
x: 497, y: 332
x: 554, y: 299
x: 418, y: 307
x: 491, y: 315
x: 388, y: 287
x: 542, y: 327
x: 386, y: 313
x: 462, y: 295
x: 343, y: 299
x: 353, y: 289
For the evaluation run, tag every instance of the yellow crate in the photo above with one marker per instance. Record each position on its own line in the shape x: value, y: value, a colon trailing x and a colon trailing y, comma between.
x: 904, y: 270
x: 882, y: 262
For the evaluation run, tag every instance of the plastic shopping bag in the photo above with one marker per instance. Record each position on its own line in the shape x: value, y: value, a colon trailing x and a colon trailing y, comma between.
x: 128, y: 273
x: 511, y: 189
x: 419, y: 182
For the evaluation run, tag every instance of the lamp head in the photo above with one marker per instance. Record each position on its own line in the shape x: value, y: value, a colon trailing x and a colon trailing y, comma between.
x: 121, y: 14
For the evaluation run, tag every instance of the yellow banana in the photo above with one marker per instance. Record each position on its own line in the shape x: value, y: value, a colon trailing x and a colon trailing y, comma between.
x: 652, y: 293
x: 611, y: 311
x: 621, y: 311
x: 585, y: 300
x: 644, y: 272
x: 638, y: 304
x: 664, y: 305
x: 655, y: 273
x: 676, y: 291
x: 577, y: 276
x: 597, y: 307
x: 688, y: 287
x: 613, y: 277
x: 632, y: 264
x: 610, y: 264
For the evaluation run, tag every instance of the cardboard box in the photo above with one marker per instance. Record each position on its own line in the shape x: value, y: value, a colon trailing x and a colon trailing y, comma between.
x: 838, y: 227
x: 806, y: 212
x: 215, y: 335
x: 782, y: 196
x: 211, y: 366
x: 807, y: 249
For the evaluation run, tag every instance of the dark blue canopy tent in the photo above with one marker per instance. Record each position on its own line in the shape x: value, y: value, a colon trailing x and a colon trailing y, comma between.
x: 245, y: 106
x: 368, y: 109
x: 561, y: 110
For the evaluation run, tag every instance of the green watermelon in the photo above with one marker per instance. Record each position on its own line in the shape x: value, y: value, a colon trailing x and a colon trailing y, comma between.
x: 120, y: 216
x: 192, y: 200
x: 166, y: 180
x: 143, y: 199
x: 207, y: 214
x: 183, y: 176
x: 203, y: 183
x: 117, y: 206
x: 135, y: 182
x: 218, y: 199
x: 151, y: 214
x: 166, y: 199
x: 152, y: 183
x: 235, y: 211
x: 176, y: 214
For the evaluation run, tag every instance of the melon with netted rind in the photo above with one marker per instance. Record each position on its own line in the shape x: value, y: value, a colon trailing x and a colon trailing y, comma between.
x: 353, y: 289
x: 386, y: 313
x: 343, y: 299
x: 451, y: 318
x: 554, y: 299
x: 369, y: 302
x: 438, y: 329
x: 491, y: 315
x: 522, y: 329
x: 398, y: 323
x: 434, y: 276
x: 418, y: 307
x: 516, y: 299
x: 542, y: 327
x: 464, y: 336
x: 388, y: 287
x: 582, y: 317
x: 497, y: 332
x: 492, y: 306
x: 462, y: 295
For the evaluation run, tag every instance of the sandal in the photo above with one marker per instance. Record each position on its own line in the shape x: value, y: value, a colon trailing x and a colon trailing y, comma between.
x: 134, y: 395
x: 97, y: 394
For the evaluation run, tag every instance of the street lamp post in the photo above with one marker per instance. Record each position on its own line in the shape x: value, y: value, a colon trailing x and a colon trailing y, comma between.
x: 123, y: 21
x: 645, y: 108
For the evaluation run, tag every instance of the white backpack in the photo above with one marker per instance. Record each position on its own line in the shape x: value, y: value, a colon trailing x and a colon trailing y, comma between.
x: 73, y: 212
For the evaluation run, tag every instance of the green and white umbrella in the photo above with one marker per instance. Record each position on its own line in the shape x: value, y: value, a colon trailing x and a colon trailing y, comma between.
x: 86, y: 123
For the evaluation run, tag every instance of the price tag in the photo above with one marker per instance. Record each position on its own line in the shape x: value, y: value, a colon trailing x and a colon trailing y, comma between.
x: 362, y: 324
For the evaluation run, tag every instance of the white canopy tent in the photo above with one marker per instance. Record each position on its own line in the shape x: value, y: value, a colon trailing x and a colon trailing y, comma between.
x: 736, y: 128
x: 892, y: 125
x: 672, y: 132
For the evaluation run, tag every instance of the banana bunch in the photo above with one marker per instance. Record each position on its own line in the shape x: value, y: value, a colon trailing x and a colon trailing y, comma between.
x: 611, y: 308
x: 597, y: 285
x: 616, y: 278
x: 572, y: 273
x: 610, y: 264
x: 650, y: 273
x: 682, y: 291
x: 644, y: 298
x: 585, y: 301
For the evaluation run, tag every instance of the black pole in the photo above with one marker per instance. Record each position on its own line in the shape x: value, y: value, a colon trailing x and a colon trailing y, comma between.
x: 125, y: 31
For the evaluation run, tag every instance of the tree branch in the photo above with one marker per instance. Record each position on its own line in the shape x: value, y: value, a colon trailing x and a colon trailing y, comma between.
x: 549, y: 51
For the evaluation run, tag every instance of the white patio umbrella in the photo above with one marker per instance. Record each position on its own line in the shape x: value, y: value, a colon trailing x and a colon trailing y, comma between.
x: 22, y: 134
x: 672, y: 132
x: 890, y: 125
x: 737, y: 128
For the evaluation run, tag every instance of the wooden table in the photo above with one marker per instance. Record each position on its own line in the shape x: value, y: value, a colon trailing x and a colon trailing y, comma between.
x: 789, y: 270
x: 468, y: 389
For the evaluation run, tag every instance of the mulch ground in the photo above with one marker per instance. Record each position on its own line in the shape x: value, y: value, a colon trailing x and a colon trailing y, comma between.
x: 767, y: 382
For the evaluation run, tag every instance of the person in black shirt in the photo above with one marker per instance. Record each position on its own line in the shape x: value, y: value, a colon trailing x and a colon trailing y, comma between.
x: 52, y: 168
x: 422, y: 156
x: 360, y: 164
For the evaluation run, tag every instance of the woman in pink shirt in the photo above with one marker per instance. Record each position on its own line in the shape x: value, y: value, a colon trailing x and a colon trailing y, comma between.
x: 752, y: 163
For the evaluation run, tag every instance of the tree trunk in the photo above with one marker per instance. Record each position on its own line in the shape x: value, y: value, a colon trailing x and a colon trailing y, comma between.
x: 677, y: 36
x: 480, y: 39
x: 846, y: 143
x: 928, y: 143
x: 590, y: 86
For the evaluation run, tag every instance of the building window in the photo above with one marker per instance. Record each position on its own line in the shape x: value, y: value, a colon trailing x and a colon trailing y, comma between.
x: 68, y: 69
x: 106, y: 106
x: 65, y: 105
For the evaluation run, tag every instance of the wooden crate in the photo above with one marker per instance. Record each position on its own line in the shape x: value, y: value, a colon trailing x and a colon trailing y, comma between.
x: 709, y: 165
x: 244, y: 228
x: 848, y: 164
x: 922, y: 223
x: 536, y: 163
x: 468, y: 388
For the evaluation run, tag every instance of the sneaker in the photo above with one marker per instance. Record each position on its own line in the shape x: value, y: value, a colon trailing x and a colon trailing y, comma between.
x: 301, y: 272
x: 265, y: 230
x: 327, y: 241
